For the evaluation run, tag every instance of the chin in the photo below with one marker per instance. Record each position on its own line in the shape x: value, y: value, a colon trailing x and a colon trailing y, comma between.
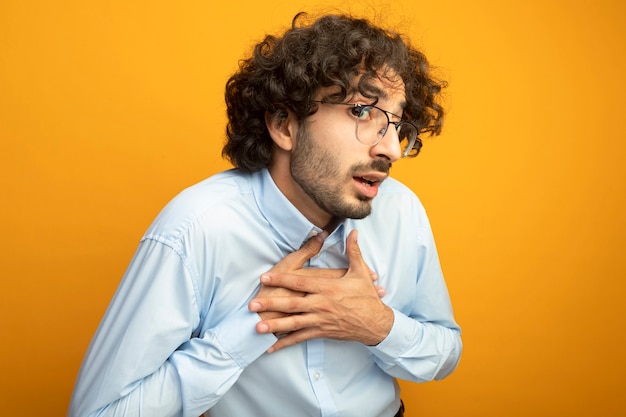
x: 358, y: 210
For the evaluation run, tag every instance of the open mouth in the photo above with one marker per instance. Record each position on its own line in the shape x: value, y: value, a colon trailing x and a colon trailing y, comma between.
x: 367, y: 181
x: 367, y: 186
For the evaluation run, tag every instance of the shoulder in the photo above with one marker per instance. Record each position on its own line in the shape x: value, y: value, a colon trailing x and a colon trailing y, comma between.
x: 215, y: 190
x: 203, y: 203
x: 396, y: 196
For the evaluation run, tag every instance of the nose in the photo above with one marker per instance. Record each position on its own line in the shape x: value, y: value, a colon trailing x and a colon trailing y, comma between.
x: 388, y: 147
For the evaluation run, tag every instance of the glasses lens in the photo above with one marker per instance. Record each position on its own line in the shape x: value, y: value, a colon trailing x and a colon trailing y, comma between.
x: 409, y: 144
x: 371, y: 125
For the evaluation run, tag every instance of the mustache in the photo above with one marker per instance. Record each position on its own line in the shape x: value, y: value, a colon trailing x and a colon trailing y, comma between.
x: 379, y: 165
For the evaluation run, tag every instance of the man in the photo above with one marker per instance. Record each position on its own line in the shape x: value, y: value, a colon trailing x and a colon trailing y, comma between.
x: 252, y: 293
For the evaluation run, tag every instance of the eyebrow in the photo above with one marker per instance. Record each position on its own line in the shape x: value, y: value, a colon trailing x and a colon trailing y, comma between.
x: 380, y: 93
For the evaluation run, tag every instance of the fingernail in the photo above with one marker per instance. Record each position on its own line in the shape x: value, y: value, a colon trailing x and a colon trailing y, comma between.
x: 265, y: 279
x: 254, y: 306
x: 263, y: 328
x: 321, y: 236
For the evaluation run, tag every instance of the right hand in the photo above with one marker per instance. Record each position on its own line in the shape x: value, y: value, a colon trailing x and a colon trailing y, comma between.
x: 294, y: 263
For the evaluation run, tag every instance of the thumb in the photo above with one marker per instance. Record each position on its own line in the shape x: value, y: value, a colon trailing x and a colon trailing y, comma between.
x: 355, y: 257
x: 297, y: 259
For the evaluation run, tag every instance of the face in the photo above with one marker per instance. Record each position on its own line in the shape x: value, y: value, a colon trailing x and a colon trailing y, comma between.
x: 332, y: 168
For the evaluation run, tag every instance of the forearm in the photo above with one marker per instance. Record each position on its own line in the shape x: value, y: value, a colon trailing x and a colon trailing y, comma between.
x: 154, y: 354
x: 158, y: 394
x: 188, y: 383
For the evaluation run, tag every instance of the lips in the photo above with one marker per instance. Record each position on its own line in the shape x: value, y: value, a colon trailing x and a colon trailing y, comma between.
x: 368, y: 184
x: 366, y: 180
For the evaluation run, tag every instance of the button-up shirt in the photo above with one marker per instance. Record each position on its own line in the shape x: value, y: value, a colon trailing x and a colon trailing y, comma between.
x: 178, y: 338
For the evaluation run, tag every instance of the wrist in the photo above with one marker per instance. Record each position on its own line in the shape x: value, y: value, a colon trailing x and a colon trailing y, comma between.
x: 383, y: 325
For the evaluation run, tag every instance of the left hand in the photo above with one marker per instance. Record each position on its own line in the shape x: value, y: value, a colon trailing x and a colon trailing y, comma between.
x: 346, y: 308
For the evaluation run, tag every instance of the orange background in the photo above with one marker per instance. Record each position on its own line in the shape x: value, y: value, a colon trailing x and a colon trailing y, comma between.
x: 109, y: 108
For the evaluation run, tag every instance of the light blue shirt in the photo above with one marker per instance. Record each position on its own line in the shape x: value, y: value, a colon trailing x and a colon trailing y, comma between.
x: 178, y: 338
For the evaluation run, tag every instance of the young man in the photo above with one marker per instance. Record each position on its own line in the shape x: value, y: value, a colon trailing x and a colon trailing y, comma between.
x: 251, y: 294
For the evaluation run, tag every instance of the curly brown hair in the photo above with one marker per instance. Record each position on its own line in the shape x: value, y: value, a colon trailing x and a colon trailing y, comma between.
x: 285, y: 73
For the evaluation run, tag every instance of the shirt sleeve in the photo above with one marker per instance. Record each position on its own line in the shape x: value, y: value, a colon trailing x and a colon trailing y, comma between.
x: 418, y: 351
x: 146, y: 358
x: 425, y: 341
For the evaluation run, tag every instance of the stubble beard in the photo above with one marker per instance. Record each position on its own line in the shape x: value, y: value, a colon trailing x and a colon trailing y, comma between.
x: 316, y: 171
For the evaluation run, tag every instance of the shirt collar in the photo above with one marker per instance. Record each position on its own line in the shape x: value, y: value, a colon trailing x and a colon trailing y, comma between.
x: 288, y: 223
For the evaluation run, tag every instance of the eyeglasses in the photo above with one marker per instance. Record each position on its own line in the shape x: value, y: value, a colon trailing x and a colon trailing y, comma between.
x: 372, y: 123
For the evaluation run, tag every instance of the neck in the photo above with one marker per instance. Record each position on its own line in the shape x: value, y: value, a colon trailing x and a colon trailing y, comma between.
x: 284, y: 181
x: 332, y: 225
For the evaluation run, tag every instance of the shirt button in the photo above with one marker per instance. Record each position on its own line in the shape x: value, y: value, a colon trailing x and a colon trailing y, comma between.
x: 317, y: 376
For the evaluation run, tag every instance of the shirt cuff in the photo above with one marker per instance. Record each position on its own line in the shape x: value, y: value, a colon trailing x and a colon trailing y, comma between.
x: 238, y: 336
x: 405, y: 333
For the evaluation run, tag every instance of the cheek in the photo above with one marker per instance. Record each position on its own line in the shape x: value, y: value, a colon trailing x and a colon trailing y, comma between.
x: 338, y: 143
x: 333, y: 130
x: 342, y: 145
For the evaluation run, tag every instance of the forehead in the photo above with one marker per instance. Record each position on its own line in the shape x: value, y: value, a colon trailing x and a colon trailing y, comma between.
x: 385, y: 87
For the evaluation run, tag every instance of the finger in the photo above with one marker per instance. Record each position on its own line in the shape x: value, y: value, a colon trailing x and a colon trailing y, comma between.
x: 280, y: 304
x: 381, y: 291
x: 297, y: 259
x: 355, y: 257
x: 283, y: 325
x: 294, y: 282
x: 323, y: 272
x: 294, y: 338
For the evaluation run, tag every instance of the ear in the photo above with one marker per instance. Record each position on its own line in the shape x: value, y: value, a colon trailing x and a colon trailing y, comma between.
x: 282, y: 127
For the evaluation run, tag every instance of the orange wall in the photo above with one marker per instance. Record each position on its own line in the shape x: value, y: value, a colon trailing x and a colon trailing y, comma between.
x: 108, y: 108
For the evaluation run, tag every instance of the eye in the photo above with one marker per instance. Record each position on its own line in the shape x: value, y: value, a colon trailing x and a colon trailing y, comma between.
x: 361, y: 112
